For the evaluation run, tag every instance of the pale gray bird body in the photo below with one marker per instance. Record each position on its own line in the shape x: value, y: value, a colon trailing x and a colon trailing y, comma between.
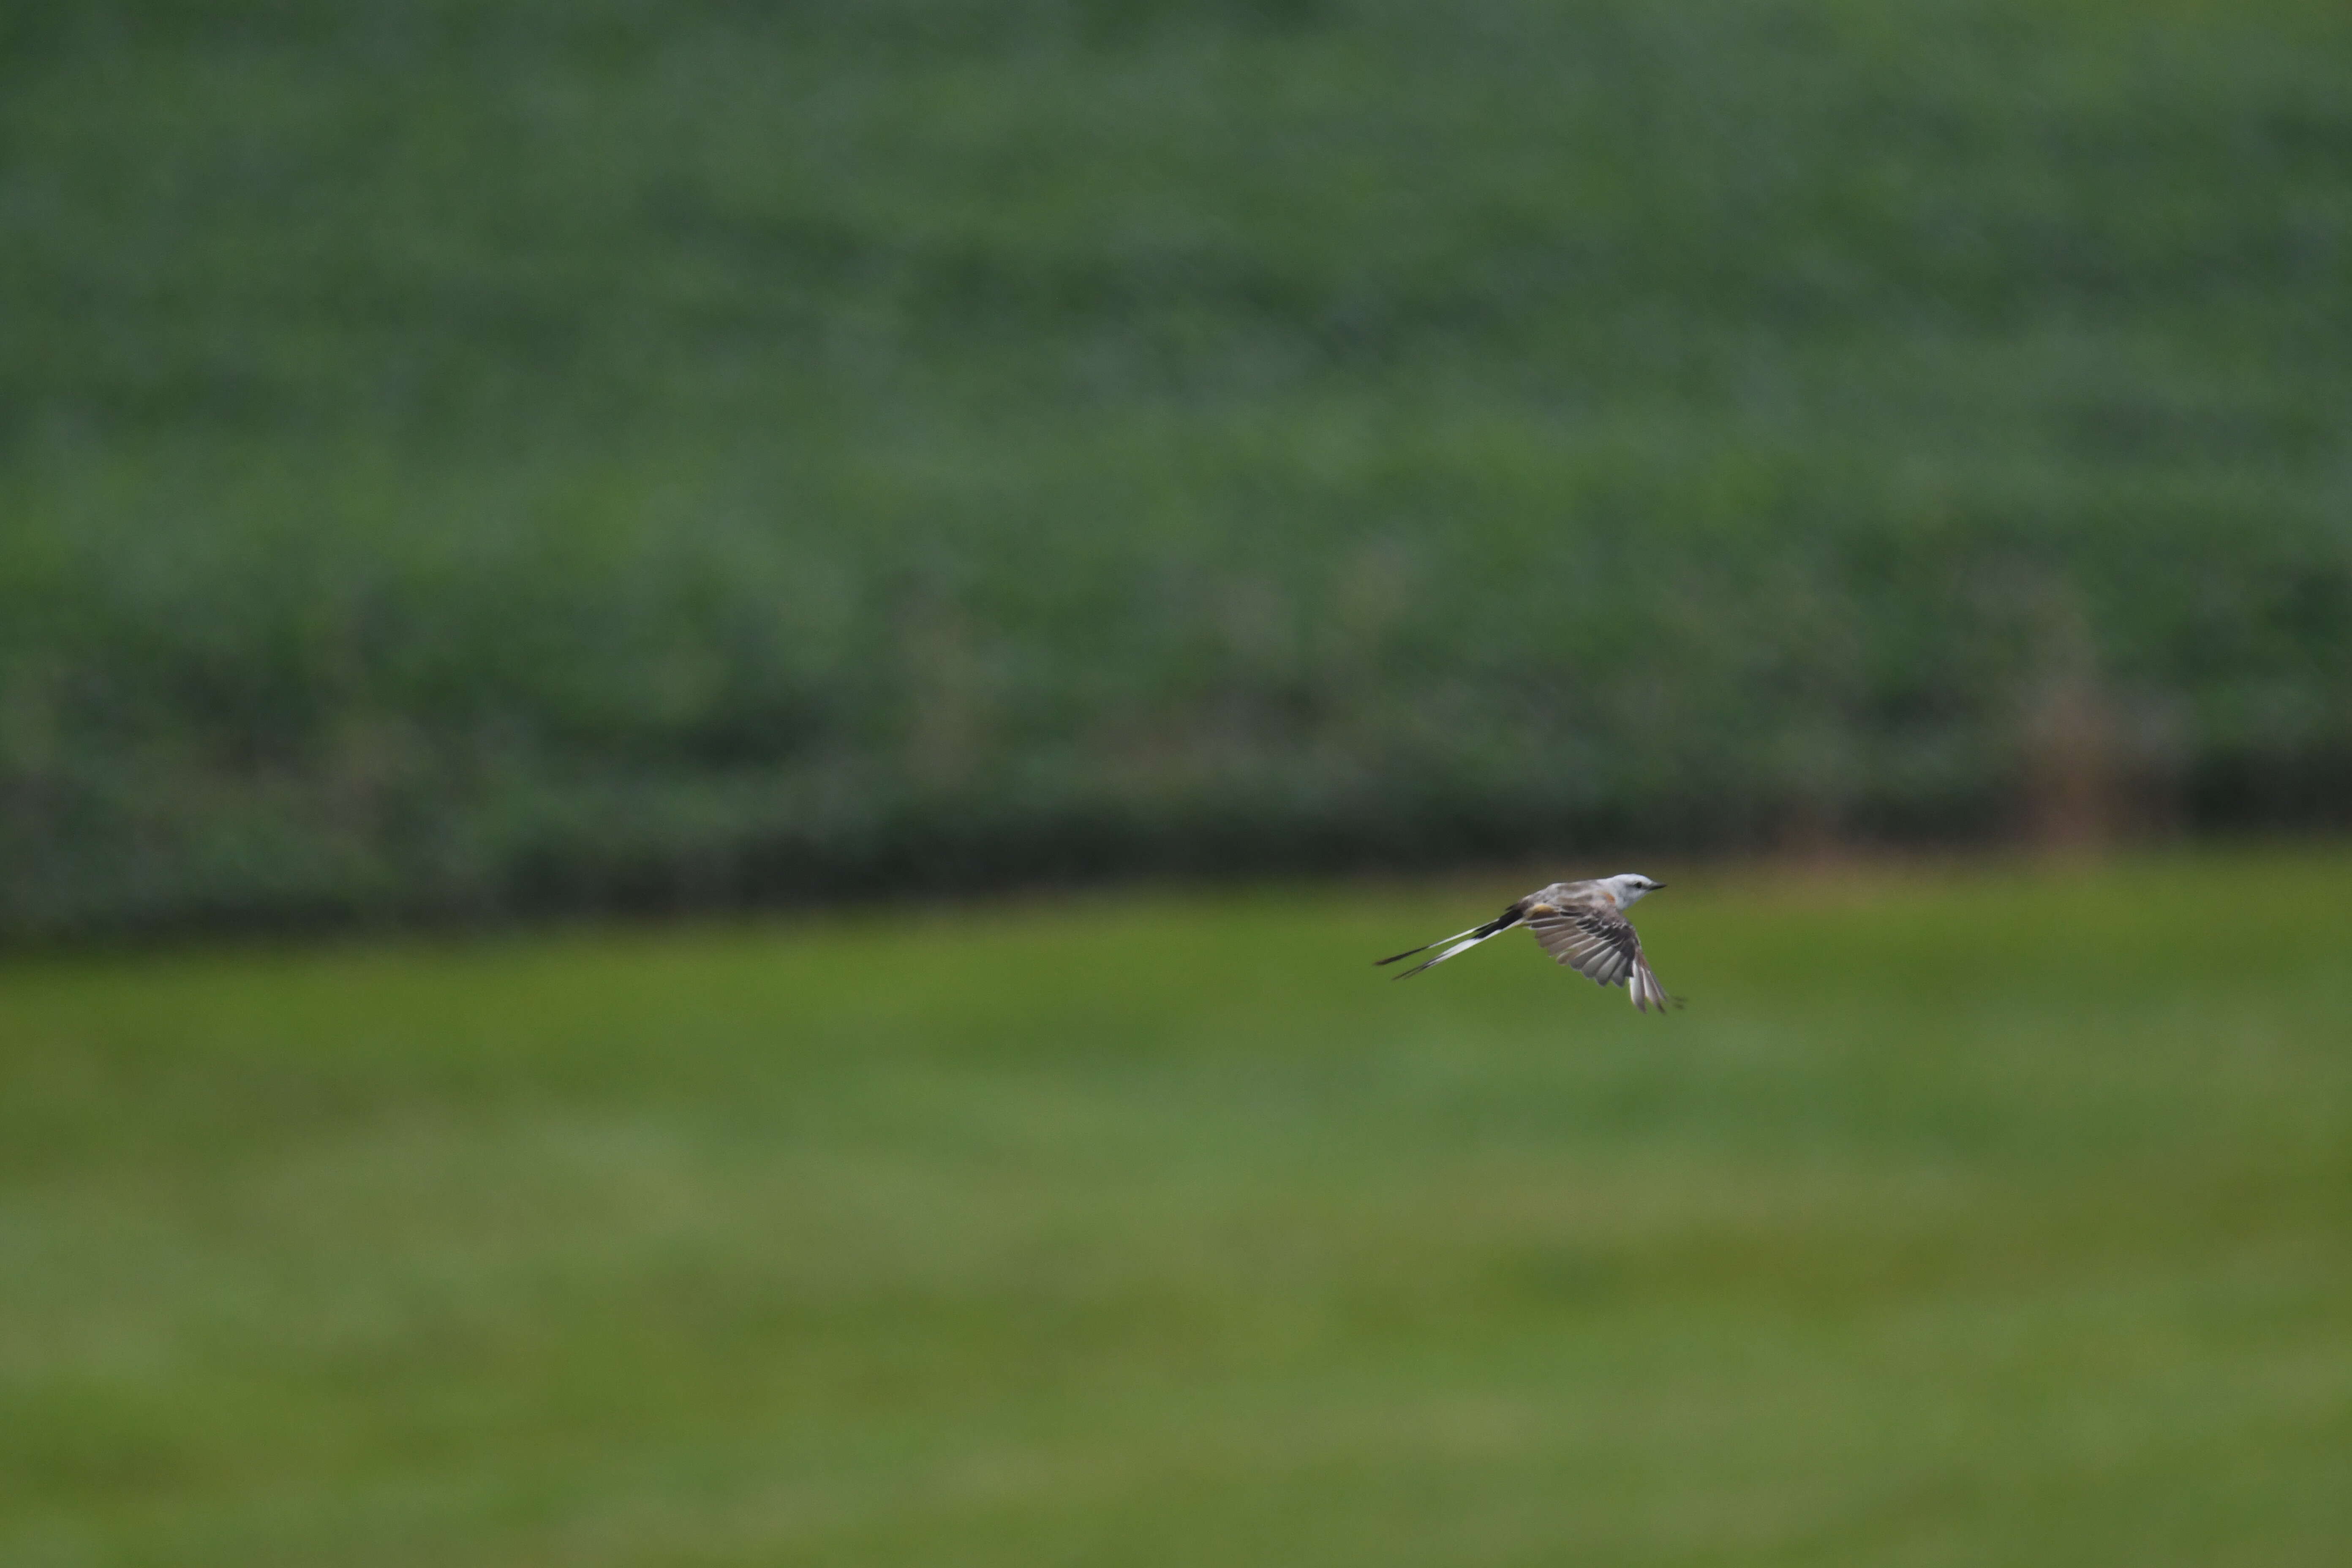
x: 1583, y: 925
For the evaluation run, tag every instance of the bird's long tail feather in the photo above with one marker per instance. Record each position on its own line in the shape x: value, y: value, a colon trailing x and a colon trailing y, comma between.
x: 1424, y: 947
x: 1460, y: 942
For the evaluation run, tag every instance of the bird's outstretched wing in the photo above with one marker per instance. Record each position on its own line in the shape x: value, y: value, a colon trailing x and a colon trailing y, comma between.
x: 1599, y: 944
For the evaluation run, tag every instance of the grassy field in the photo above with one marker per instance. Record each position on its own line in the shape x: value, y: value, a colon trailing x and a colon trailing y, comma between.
x: 1990, y: 1215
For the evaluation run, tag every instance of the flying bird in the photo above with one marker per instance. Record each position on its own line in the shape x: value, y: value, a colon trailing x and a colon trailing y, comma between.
x: 1580, y: 924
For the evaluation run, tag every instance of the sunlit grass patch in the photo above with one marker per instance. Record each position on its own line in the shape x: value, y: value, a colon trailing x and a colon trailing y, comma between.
x: 1950, y: 1220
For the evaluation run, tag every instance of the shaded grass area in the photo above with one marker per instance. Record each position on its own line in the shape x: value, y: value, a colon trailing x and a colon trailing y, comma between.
x: 520, y: 455
x: 1995, y: 1214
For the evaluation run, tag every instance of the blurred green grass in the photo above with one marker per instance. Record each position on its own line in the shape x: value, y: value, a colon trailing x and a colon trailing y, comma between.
x: 1976, y: 1214
x: 592, y: 454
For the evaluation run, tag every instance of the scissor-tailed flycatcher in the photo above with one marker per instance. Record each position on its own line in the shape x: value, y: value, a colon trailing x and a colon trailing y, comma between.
x: 1581, y: 924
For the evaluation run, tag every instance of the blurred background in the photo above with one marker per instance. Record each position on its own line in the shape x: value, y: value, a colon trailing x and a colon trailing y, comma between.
x: 1037, y: 537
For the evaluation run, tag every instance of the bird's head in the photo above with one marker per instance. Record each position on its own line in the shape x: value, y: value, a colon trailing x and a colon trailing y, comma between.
x: 1631, y: 886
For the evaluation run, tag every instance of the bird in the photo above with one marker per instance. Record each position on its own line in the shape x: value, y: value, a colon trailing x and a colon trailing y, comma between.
x: 1581, y: 925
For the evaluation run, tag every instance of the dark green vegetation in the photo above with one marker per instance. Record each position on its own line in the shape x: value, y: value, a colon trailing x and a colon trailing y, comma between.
x: 2003, y: 1217
x: 492, y: 455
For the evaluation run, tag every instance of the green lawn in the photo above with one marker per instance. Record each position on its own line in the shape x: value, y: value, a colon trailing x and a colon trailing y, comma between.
x: 1993, y: 1215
